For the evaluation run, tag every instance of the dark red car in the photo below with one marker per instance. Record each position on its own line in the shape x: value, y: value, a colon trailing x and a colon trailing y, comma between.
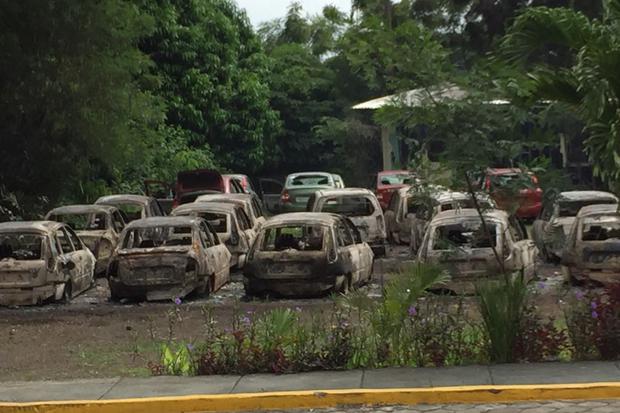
x: 514, y: 191
x: 389, y: 181
x: 191, y: 184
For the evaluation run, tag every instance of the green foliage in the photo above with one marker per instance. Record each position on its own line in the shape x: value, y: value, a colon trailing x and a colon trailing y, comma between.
x: 176, y: 360
x: 502, y: 306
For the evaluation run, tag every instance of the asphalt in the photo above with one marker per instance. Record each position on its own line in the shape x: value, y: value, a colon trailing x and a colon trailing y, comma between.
x: 123, y: 388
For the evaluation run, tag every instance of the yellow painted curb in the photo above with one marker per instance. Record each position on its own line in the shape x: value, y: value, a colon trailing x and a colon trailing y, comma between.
x: 327, y: 398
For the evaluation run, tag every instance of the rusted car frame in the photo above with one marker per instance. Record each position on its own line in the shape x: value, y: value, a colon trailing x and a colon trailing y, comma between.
x: 592, y: 251
x: 42, y: 261
x: 98, y: 226
x: 166, y: 258
x: 361, y: 206
x: 307, y: 254
x: 551, y: 229
x: 231, y: 223
x: 250, y: 203
x: 133, y: 206
x: 457, y: 240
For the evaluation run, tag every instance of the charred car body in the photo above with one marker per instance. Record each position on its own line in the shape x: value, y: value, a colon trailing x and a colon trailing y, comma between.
x: 556, y: 219
x: 592, y: 252
x: 133, y: 206
x: 458, y: 240
x: 168, y: 257
x: 231, y: 223
x: 302, y: 254
x: 250, y: 203
x: 361, y: 206
x: 40, y: 261
x: 98, y: 226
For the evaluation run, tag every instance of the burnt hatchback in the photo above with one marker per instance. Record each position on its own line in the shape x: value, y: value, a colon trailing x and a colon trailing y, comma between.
x: 307, y: 254
x: 167, y: 258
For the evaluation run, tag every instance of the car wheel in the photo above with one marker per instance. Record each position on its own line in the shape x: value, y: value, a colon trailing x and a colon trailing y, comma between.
x: 67, y: 293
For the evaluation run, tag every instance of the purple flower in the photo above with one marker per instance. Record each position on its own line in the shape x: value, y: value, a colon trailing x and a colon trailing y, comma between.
x: 190, y: 346
x: 245, y: 320
x: 541, y: 285
x: 177, y: 301
x: 594, y: 314
x: 298, y: 309
x: 593, y: 305
x: 412, y: 311
x: 579, y: 295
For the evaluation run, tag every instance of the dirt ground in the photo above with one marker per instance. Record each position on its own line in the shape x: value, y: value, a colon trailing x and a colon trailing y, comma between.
x: 92, y: 337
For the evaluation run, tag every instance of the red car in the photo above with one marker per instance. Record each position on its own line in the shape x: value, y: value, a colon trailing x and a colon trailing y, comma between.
x: 191, y: 184
x: 511, y: 188
x: 389, y: 181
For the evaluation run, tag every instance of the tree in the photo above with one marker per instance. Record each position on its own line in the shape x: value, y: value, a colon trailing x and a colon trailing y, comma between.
x: 213, y: 78
x: 589, y: 85
x: 71, y: 110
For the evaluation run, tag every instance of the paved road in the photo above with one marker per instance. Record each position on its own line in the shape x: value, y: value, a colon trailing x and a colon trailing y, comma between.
x: 603, y: 406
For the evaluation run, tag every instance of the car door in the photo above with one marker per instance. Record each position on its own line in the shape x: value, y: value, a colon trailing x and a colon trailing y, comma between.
x: 68, y: 259
x: 218, y: 256
x: 247, y: 233
x: 85, y: 261
x: 540, y: 224
x: 348, y: 251
x: 270, y: 191
x: 361, y: 252
x: 390, y: 214
x: 258, y: 210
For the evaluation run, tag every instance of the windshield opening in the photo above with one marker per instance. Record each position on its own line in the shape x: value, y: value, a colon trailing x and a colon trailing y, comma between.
x: 297, y: 237
x: 571, y: 209
x: 514, y: 181
x: 601, y: 229
x: 21, y: 247
x: 310, y: 180
x: 352, y: 206
x: 82, y: 222
x: 397, y: 179
x: 132, y: 211
x: 468, y: 234
x: 219, y: 222
x: 155, y: 237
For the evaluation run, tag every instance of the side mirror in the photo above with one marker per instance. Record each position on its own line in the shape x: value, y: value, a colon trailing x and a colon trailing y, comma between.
x: 69, y: 265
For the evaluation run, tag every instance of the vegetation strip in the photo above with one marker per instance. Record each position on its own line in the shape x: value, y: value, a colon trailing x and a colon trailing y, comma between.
x: 328, y: 398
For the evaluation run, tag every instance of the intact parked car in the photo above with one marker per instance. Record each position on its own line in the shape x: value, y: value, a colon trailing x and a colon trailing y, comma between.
x: 250, y: 203
x: 42, y: 261
x: 387, y: 182
x: 98, y: 226
x: 361, y: 206
x: 553, y: 226
x: 192, y: 184
x: 457, y: 240
x: 422, y: 207
x: 231, y: 223
x: 166, y: 258
x: 133, y: 206
x: 309, y: 253
x: 514, y: 191
x: 299, y: 186
x: 592, y: 251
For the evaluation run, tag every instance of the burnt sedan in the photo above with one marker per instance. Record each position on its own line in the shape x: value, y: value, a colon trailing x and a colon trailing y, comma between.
x: 133, y: 206
x: 42, y: 261
x: 458, y: 240
x: 592, y: 252
x: 168, y: 258
x: 552, y: 227
x: 98, y: 226
x: 307, y: 254
x: 229, y: 221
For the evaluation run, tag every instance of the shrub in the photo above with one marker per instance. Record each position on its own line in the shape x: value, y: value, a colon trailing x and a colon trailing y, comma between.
x: 539, y: 339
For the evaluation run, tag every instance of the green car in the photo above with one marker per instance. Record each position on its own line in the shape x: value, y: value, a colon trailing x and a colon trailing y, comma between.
x: 300, y: 186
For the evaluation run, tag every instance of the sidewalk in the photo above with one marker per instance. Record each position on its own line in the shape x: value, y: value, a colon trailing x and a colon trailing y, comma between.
x: 390, y: 378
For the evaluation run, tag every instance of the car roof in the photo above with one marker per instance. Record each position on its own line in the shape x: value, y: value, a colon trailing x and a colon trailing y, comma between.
x: 296, y: 174
x: 82, y: 209
x: 29, y: 226
x: 231, y: 197
x: 469, y: 213
x: 323, y: 218
x: 503, y: 171
x: 344, y: 191
x: 394, y: 171
x: 164, y: 221
x: 130, y: 198
x: 599, y: 209
x: 206, y: 207
x: 586, y: 195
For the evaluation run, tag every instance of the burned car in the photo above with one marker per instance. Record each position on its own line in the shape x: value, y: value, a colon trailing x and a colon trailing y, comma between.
x: 592, y: 251
x: 133, y: 206
x: 231, y: 223
x: 307, y: 254
x: 457, y: 240
x: 98, y: 226
x: 552, y: 227
x: 250, y: 203
x: 166, y: 258
x: 361, y: 206
x: 41, y: 261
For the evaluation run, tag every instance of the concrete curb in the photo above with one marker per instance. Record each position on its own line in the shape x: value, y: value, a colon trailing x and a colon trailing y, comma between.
x: 327, y: 398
